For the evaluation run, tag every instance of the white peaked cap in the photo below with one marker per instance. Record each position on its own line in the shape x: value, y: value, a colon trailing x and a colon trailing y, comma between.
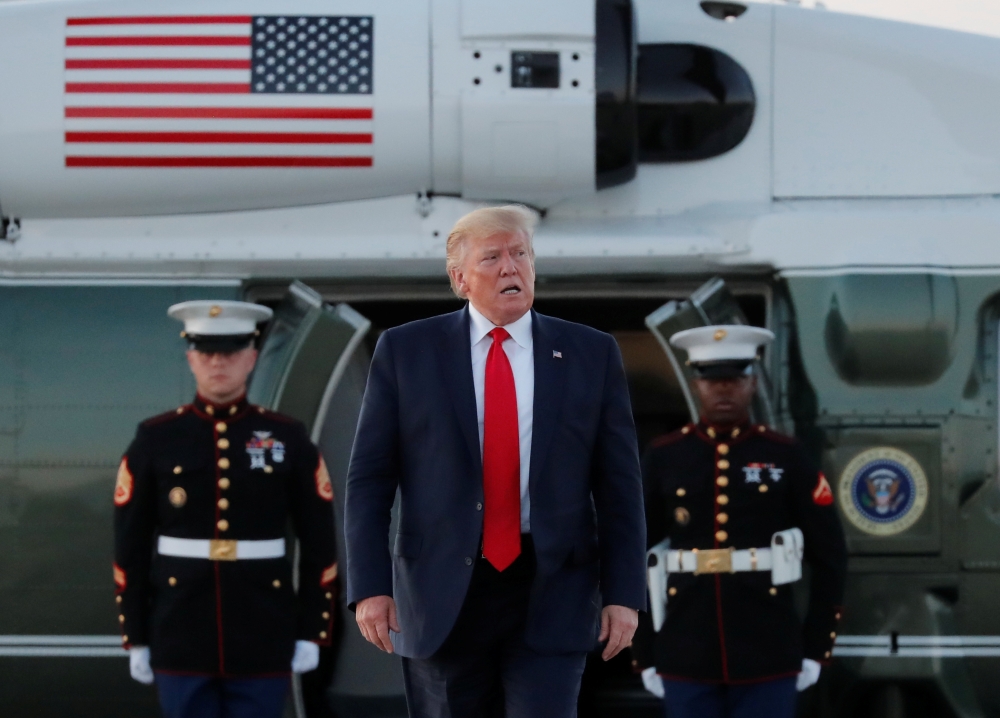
x: 210, y: 317
x: 719, y: 343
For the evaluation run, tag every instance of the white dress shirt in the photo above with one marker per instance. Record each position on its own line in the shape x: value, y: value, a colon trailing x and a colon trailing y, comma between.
x: 520, y: 352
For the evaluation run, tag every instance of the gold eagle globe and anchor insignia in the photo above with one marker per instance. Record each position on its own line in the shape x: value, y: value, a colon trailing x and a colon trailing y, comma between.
x: 178, y: 497
x: 883, y: 491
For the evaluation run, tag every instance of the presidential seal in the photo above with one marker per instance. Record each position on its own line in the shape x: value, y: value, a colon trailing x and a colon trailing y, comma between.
x: 883, y: 491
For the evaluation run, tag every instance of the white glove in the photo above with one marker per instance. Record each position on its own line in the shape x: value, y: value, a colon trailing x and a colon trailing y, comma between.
x: 809, y: 674
x: 306, y: 657
x: 652, y: 681
x: 138, y: 664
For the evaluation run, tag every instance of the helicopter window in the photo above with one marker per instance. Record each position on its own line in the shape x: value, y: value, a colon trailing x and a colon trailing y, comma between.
x: 694, y: 103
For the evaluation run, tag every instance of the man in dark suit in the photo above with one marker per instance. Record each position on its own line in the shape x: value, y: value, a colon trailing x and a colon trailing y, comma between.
x: 521, y: 539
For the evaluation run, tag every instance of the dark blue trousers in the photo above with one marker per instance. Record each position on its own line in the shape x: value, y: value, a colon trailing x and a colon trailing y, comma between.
x: 207, y: 697
x: 767, y: 699
x: 485, y: 669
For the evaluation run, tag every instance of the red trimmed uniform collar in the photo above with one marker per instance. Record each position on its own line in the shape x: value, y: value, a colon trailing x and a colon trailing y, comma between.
x: 712, y: 434
x: 209, y: 410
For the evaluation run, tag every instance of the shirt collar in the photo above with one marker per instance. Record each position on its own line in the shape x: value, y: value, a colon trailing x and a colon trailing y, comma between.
x: 520, y: 330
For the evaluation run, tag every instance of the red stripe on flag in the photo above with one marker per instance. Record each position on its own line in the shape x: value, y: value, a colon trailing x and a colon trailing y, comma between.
x: 152, y: 64
x: 161, y: 40
x: 279, y: 138
x: 160, y: 87
x: 223, y: 113
x: 162, y: 20
x: 222, y: 162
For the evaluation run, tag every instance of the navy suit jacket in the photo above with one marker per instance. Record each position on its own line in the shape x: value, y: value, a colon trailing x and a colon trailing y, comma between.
x: 418, y: 432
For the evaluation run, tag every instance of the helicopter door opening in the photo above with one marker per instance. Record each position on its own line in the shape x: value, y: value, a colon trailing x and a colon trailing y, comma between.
x: 313, y: 366
x: 711, y: 303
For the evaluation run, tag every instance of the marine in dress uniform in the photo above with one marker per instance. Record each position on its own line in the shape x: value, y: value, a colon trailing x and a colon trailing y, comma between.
x: 720, y: 490
x: 203, y: 501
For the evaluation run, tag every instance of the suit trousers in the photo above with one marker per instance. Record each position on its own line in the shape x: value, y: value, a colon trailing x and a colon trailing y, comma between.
x: 485, y: 669
x: 775, y: 698
x: 208, y: 697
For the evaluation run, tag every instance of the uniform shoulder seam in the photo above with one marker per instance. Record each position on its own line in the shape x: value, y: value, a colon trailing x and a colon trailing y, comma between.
x: 776, y: 436
x: 166, y: 416
x: 264, y: 411
x: 672, y: 438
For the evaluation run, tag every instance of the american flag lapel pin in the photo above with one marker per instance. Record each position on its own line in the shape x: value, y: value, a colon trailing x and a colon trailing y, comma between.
x: 556, y: 355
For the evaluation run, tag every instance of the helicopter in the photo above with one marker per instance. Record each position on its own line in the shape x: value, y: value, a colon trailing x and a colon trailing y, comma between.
x: 828, y: 170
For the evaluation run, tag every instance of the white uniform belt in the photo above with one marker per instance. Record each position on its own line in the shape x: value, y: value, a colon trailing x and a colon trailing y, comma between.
x: 719, y: 560
x: 220, y: 549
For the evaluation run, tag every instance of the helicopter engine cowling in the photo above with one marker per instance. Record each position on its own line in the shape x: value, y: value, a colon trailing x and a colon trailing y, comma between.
x: 118, y: 108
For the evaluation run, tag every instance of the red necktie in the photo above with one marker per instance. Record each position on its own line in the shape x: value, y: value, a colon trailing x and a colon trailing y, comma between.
x: 501, y: 459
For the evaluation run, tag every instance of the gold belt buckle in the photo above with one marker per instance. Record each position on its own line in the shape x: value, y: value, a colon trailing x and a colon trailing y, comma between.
x: 222, y: 549
x: 715, y: 560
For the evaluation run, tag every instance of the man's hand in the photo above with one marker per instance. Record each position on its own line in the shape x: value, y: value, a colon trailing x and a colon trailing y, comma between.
x: 306, y: 657
x: 138, y: 664
x: 376, y: 615
x: 618, y: 625
x: 809, y: 674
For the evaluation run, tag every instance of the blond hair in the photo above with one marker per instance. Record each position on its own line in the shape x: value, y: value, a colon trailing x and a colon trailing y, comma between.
x: 484, y: 222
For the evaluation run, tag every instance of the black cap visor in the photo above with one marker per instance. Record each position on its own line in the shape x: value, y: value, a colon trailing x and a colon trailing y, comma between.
x: 729, y: 369
x: 219, y: 343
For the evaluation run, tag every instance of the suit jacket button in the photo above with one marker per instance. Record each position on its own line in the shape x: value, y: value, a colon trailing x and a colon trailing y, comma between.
x: 479, y: 506
x: 468, y: 560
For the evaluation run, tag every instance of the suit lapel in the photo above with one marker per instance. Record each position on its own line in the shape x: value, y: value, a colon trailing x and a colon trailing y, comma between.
x: 550, y: 380
x: 456, y: 362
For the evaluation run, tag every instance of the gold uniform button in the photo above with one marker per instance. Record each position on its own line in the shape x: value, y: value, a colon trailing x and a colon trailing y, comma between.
x: 223, y: 483
x: 710, y: 431
x: 118, y: 599
x: 276, y: 583
x: 686, y: 430
x: 125, y: 639
x: 827, y: 654
x: 837, y: 616
x: 180, y: 409
x: 322, y: 634
x: 178, y: 469
x: 681, y: 492
x: 329, y: 595
x: 326, y: 615
x: 672, y: 591
x: 223, y: 525
x: 121, y: 619
x: 221, y: 427
x: 177, y: 496
x: 172, y: 581
x: 268, y: 468
x: 223, y: 463
x: 833, y: 634
x: 210, y: 410
x: 722, y: 449
x: 773, y: 591
x: 722, y: 481
x: 761, y: 428
x: 232, y: 410
x: 722, y: 518
x: 223, y: 443
x: 762, y: 488
x: 736, y: 432
x: 682, y: 515
x: 223, y: 504
x: 721, y: 536
x: 723, y: 464
x: 722, y: 499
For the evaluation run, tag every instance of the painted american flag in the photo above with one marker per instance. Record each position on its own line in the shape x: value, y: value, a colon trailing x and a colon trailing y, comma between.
x: 219, y: 91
